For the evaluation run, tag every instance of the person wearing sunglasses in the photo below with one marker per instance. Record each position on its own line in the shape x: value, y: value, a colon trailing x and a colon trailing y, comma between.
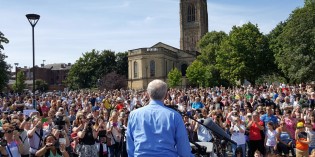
x: 14, y: 144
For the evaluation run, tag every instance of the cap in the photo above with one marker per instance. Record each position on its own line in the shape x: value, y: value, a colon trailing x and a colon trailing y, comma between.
x: 249, y: 114
x: 300, y: 125
x: 20, y: 113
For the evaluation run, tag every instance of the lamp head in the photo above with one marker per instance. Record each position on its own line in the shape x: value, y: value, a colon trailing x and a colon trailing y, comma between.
x: 33, y: 19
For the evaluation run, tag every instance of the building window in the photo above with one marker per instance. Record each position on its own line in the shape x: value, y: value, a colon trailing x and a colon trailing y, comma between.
x: 152, y: 68
x: 135, y: 70
x: 183, y: 69
x: 191, y: 13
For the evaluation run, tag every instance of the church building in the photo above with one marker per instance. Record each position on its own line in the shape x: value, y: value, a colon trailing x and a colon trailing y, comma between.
x: 147, y: 64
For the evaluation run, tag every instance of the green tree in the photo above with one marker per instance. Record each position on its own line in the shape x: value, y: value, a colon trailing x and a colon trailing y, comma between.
x: 122, y: 63
x: 20, y: 84
x: 91, y: 67
x: 245, y: 54
x: 174, y: 78
x: 209, y: 46
x: 294, y: 45
x: 4, y: 67
x: 197, y: 73
x: 41, y: 85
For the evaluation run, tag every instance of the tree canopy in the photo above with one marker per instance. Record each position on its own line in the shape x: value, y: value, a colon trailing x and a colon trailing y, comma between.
x: 93, y: 66
x: 174, y: 78
x: 293, y: 44
x: 245, y: 54
x: 4, y: 67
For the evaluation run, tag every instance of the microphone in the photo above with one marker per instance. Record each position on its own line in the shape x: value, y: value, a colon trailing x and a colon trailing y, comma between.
x: 216, y: 129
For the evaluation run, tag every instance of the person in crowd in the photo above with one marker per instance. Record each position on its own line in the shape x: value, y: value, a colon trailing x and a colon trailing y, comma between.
x: 197, y: 105
x: 269, y: 117
x: 270, y: 139
x: 255, y: 138
x: 203, y: 133
x: 284, y: 139
x: 52, y: 148
x: 14, y: 146
x: 238, y: 129
x: 35, y: 135
x: 302, y: 140
x: 87, y: 137
x: 291, y: 126
x: 114, y: 134
x: 147, y: 134
x: 311, y: 132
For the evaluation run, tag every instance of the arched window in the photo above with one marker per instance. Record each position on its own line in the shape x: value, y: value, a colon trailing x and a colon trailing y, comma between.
x: 183, y: 69
x: 152, y: 68
x: 191, y: 13
x: 135, y: 69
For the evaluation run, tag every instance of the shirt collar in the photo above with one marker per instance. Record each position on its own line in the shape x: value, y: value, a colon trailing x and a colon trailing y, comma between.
x: 156, y: 102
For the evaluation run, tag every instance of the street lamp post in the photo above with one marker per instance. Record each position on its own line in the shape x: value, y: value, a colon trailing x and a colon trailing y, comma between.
x: 16, y: 64
x: 33, y: 19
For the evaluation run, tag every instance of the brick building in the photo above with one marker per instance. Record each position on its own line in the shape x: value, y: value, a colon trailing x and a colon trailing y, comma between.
x: 53, y: 74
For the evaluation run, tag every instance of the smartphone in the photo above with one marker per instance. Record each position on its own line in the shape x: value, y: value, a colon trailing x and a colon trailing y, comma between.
x: 44, y: 120
x: 62, y: 140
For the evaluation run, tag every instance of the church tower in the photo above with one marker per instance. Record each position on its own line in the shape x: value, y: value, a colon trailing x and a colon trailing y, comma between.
x: 193, y: 23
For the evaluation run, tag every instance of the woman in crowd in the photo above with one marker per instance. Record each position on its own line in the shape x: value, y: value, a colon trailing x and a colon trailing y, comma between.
x: 270, y: 139
x: 52, y: 148
x: 237, y: 130
x: 113, y: 134
x: 284, y: 139
x: 79, y: 122
x: 87, y: 137
x: 255, y: 138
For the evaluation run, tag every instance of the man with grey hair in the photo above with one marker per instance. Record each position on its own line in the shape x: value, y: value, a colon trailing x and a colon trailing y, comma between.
x: 156, y: 130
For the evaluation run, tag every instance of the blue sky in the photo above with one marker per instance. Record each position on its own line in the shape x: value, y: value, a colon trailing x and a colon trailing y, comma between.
x: 69, y: 28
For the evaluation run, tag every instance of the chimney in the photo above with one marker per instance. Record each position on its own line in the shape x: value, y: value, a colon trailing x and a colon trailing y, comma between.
x: 69, y: 64
x: 42, y: 65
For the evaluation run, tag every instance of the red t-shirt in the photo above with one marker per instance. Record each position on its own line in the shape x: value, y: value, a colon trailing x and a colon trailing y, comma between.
x: 119, y: 106
x: 254, y: 131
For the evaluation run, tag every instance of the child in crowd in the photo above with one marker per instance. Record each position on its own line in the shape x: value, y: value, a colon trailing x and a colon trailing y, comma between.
x: 270, y: 139
x: 302, y: 140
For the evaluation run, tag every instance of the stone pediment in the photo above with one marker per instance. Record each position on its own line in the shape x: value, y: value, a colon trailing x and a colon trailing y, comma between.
x: 181, y: 53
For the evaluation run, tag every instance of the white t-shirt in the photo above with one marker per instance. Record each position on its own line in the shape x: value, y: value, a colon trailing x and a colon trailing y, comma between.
x: 203, y: 134
x: 237, y: 136
x: 271, y: 138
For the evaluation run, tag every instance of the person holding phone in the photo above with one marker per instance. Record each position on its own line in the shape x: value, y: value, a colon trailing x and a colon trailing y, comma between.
x: 14, y: 144
x: 87, y: 138
x: 52, y: 148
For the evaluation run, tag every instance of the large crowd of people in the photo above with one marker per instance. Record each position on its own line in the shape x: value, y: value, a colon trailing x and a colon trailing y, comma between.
x: 264, y: 120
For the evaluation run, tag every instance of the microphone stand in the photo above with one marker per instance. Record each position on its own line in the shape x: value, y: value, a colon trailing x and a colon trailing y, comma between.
x: 219, y: 141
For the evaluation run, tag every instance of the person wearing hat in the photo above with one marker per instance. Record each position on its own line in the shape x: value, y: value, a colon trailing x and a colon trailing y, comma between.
x: 302, y: 140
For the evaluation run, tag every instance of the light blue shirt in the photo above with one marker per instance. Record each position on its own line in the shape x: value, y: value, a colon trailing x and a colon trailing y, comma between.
x: 157, y: 131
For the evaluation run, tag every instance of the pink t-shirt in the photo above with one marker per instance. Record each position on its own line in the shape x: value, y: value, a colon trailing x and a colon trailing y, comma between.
x: 291, y: 126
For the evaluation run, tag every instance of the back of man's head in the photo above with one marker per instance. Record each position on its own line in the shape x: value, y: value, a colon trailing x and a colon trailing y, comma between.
x: 157, y: 89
